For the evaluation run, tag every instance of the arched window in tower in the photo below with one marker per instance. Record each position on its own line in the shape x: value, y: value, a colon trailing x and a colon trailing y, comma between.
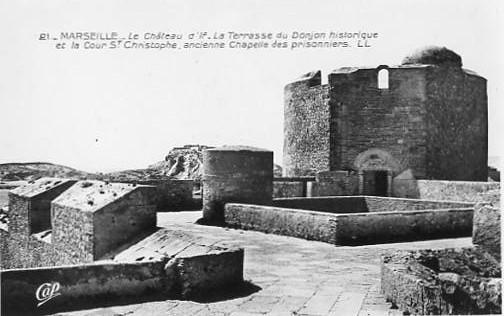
x: 383, y: 79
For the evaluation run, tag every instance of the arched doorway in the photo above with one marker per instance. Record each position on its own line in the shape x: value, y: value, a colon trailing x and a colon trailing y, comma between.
x: 376, y: 169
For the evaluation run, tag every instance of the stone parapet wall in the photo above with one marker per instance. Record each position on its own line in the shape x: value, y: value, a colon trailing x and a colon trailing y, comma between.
x: 383, y: 227
x: 77, y: 284
x: 172, y: 195
x: 351, y: 229
x: 466, y: 191
x: 364, y: 204
x: 282, y: 221
x: 191, y: 273
x: 386, y: 204
x: 331, y: 183
x: 282, y: 189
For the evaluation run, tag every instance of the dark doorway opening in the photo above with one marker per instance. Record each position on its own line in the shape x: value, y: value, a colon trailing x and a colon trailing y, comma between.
x: 381, y: 184
x: 375, y: 182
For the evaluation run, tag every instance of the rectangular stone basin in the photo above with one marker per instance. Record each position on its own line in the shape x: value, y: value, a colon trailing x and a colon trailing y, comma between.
x: 355, y: 220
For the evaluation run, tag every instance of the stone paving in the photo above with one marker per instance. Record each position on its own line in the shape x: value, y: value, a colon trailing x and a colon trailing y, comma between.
x: 293, y: 276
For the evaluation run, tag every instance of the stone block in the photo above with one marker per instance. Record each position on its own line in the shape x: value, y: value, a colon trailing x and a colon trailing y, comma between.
x: 93, y: 218
x: 198, y: 274
x: 442, y: 282
x: 288, y: 189
x: 487, y: 229
x: 172, y: 194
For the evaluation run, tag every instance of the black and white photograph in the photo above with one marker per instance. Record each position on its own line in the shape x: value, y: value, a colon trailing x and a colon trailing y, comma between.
x: 250, y: 158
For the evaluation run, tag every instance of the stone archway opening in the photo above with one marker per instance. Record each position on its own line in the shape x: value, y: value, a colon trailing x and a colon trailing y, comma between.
x: 376, y: 168
x: 375, y: 182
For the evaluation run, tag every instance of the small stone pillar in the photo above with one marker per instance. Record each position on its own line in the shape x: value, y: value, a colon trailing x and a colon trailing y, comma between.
x: 389, y: 183
x: 238, y: 174
x: 361, y: 182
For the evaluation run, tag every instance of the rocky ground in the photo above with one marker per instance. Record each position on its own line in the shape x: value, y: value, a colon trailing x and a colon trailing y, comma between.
x: 34, y: 170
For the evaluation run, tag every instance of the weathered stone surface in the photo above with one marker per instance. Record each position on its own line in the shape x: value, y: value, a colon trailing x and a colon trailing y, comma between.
x: 30, y: 213
x: 77, y: 222
x: 282, y: 189
x: 166, y: 264
x: 448, y: 281
x: 487, y: 229
x: 348, y: 221
x: 431, y: 118
x: 364, y: 204
x: 79, y: 285
x: 172, y: 195
x: 235, y: 174
x: 93, y: 218
x: 306, y: 127
x: 331, y: 183
x: 466, y: 191
x: 198, y: 274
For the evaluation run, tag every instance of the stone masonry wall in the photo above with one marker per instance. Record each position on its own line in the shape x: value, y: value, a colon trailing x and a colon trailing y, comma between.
x: 73, y: 234
x: 457, y: 125
x: 306, y: 127
x: 364, y: 204
x: 380, y: 204
x: 121, y: 221
x: 79, y: 285
x: 173, y: 195
x: 282, y: 189
x: 466, y: 191
x: 365, y: 117
x: 331, y: 183
x: 371, y: 228
x: 4, y: 248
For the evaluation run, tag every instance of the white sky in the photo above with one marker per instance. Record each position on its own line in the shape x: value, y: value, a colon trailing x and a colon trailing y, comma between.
x: 138, y: 104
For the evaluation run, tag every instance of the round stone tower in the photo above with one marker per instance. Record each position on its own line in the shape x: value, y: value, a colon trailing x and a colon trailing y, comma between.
x: 239, y: 174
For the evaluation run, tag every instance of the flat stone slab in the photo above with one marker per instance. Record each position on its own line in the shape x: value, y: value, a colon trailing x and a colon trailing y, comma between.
x: 443, y: 282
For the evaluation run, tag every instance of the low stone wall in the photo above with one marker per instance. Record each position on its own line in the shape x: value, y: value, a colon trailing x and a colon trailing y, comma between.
x: 331, y: 183
x: 283, y: 189
x: 351, y: 229
x: 173, y: 195
x: 76, y: 284
x: 196, y: 275
x: 487, y: 229
x: 282, y: 221
x: 442, y: 190
x: 442, y: 282
x: 341, y: 204
x: 361, y: 204
x: 91, y: 285
x: 383, y: 227
x: 386, y: 204
x: 4, y: 248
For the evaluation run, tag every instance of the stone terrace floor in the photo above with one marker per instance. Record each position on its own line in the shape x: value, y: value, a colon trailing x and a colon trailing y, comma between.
x: 295, y: 276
